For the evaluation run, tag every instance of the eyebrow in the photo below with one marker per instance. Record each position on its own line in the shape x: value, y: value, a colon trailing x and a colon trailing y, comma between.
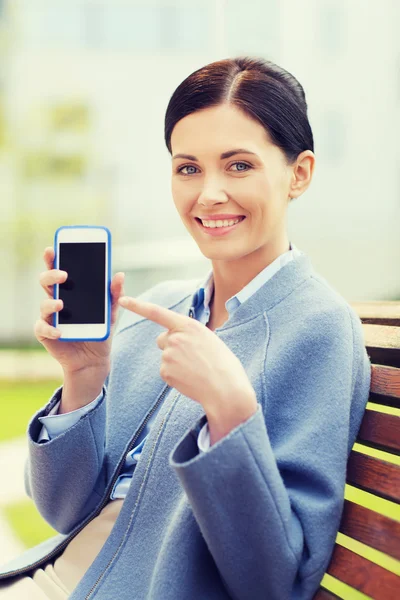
x: 227, y: 154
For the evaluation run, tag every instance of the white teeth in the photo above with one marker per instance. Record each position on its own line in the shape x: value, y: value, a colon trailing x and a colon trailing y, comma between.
x: 213, y: 224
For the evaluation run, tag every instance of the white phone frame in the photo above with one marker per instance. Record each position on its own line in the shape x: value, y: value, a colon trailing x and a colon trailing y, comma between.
x: 87, y: 234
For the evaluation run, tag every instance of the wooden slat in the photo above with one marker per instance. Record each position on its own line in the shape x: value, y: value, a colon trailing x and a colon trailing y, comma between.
x: 380, y: 336
x: 380, y: 431
x: 323, y: 594
x: 373, y: 475
x: 363, y: 575
x: 383, y: 344
x: 381, y: 313
x: 384, y: 400
x: 385, y: 381
x: 381, y: 327
x: 371, y: 528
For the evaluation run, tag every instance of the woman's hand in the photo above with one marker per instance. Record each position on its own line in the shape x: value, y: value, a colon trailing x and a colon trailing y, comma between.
x: 72, y: 356
x: 197, y: 363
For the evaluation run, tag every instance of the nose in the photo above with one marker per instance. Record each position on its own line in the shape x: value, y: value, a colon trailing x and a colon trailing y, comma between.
x: 212, y: 193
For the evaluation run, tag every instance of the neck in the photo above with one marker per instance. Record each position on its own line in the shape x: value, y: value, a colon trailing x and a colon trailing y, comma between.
x: 232, y: 276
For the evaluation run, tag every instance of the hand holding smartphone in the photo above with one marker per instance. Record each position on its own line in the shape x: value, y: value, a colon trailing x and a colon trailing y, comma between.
x: 84, y: 253
x: 88, y: 361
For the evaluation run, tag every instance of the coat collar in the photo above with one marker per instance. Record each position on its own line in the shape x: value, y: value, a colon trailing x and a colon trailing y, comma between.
x: 280, y: 285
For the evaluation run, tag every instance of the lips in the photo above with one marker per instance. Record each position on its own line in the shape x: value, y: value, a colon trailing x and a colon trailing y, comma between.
x: 218, y: 231
x: 224, y: 218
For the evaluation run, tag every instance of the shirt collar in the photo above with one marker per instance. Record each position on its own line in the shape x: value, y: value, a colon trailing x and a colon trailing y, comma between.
x: 204, y: 293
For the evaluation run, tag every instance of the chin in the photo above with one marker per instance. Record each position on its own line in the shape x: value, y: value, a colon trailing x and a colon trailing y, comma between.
x: 220, y: 254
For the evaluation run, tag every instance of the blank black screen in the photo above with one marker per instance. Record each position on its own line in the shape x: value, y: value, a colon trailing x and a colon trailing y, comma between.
x: 83, y: 293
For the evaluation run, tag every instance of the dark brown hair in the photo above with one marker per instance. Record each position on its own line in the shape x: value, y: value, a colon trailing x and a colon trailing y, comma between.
x: 260, y: 88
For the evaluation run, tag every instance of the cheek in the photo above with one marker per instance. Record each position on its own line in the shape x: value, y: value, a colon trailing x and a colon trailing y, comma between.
x: 255, y: 202
x: 182, y: 204
x: 177, y: 195
x: 184, y: 197
x: 259, y: 197
x: 175, y: 192
x: 254, y: 191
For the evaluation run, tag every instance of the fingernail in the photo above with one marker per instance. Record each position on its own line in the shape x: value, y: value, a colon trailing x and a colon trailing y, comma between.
x: 123, y: 301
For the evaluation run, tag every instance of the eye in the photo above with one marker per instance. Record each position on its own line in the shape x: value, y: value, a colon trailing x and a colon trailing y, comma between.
x: 242, y: 164
x: 238, y: 163
x: 180, y: 170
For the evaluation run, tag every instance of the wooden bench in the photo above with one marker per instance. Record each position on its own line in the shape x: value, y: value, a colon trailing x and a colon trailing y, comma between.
x: 381, y: 324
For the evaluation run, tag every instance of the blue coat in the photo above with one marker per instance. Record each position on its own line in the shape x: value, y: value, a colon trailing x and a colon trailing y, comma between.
x: 255, y: 517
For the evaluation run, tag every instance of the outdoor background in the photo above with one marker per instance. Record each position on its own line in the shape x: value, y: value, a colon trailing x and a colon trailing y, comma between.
x: 83, y: 90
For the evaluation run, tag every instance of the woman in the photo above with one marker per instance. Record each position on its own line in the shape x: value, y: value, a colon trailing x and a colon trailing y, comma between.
x: 205, y: 457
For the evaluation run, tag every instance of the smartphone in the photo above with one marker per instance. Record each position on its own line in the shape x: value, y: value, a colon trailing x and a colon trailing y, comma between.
x: 84, y: 252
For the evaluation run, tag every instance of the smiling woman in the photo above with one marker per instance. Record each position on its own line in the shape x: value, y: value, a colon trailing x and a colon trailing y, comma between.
x: 242, y: 125
x: 212, y: 463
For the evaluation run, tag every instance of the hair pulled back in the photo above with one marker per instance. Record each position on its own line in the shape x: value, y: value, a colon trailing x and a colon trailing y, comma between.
x: 260, y: 88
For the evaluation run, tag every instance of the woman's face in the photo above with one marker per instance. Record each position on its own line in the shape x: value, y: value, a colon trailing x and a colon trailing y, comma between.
x: 252, y: 180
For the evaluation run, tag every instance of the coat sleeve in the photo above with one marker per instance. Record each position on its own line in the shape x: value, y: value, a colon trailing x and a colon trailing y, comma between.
x: 54, y: 423
x: 268, y: 497
x: 64, y: 476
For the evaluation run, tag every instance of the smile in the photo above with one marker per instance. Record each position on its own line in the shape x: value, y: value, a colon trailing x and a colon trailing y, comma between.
x: 216, y: 231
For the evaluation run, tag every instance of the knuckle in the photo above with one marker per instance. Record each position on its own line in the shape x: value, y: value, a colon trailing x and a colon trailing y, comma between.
x: 47, y: 329
x: 175, y: 339
x: 39, y: 328
x: 168, y: 355
x: 45, y: 308
x: 44, y: 304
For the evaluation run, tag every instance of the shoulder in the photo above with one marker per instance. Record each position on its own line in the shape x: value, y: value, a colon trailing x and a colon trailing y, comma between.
x: 316, y: 300
x: 316, y: 317
x: 333, y: 307
x: 169, y: 294
x: 315, y: 352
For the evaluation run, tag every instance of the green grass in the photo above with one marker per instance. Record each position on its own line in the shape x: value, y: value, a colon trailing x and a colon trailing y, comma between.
x: 26, y: 347
x: 27, y: 523
x: 19, y: 400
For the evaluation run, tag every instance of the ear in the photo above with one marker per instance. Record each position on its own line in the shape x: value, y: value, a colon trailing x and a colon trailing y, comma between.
x: 302, y: 172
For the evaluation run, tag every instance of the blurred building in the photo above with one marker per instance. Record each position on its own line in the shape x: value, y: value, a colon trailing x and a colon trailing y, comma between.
x: 83, y: 90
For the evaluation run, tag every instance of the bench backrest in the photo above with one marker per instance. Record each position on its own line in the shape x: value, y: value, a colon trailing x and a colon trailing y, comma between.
x: 381, y: 324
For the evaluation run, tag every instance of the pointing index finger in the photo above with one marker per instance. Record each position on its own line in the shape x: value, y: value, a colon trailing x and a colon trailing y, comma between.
x: 158, y: 314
